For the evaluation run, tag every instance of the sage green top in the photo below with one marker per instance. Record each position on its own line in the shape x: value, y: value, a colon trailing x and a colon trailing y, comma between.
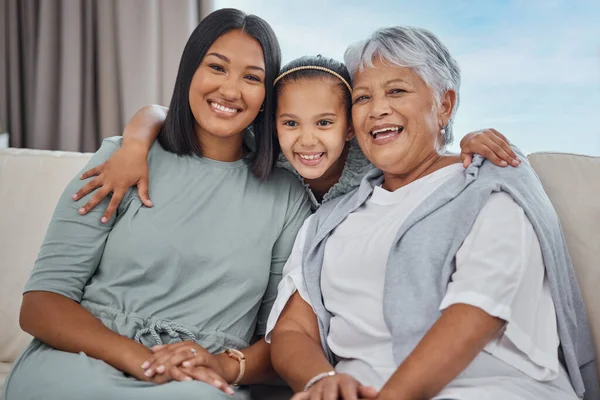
x: 203, y: 264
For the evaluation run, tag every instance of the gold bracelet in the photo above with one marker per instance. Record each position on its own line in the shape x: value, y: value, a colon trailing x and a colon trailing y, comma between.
x: 239, y: 356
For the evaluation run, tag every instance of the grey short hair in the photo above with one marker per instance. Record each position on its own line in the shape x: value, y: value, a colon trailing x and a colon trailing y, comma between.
x: 415, y: 48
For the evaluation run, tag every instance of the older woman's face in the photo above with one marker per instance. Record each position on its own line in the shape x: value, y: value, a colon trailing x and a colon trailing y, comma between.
x: 395, y: 120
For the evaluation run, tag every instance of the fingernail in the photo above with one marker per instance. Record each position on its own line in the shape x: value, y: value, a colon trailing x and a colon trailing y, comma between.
x: 187, y: 378
x: 217, y: 383
x: 187, y: 364
x: 74, y: 197
x: 160, y: 369
x: 145, y: 365
x: 81, y: 210
x: 80, y: 176
x: 515, y: 162
x: 229, y: 391
x: 504, y: 163
x: 148, y: 373
x: 104, y: 220
x: 150, y: 202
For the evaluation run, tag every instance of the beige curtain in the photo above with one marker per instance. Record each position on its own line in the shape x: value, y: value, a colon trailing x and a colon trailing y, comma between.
x: 74, y: 71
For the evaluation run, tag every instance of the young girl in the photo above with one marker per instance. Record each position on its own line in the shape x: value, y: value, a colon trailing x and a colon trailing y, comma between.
x: 196, y: 274
x: 314, y: 128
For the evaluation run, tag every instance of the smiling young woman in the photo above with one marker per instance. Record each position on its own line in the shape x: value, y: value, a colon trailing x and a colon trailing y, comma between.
x: 164, y: 302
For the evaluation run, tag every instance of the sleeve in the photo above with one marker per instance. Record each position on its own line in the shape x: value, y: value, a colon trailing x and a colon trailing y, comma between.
x: 291, y: 282
x: 296, y: 215
x: 74, y: 243
x: 492, y: 263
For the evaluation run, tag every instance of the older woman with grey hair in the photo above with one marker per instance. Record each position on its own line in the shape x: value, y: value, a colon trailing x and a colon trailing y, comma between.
x: 429, y: 281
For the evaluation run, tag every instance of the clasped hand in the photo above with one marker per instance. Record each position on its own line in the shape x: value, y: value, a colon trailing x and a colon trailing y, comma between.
x: 185, y: 361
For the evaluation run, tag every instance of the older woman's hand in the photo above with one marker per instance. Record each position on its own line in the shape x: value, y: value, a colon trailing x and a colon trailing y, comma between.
x: 489, y: 143
x: 341, y: 386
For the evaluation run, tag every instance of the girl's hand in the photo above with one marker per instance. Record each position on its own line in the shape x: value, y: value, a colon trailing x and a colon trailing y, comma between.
x: 185, y: 361
x: 340, y: 386
x: 491, y: 144
x: 127, y: 167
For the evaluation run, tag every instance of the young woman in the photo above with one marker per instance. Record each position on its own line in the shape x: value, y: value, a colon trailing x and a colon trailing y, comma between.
x: 314, y: 128
x: 196, y: 274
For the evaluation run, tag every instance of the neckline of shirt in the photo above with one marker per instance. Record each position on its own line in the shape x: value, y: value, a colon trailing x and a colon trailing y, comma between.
x: 384, y: 197
x: 242, y: 162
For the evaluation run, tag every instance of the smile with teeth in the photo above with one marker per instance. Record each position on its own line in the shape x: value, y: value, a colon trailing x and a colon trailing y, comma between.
x: 219, y: 107
x: 311, y: 156
x: 386, y: 132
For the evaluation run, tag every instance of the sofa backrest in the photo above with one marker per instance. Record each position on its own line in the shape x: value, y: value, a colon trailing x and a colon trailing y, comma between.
x: 573, y: 184
x: 31, y: 181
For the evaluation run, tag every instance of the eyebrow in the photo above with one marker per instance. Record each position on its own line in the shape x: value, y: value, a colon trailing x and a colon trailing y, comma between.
x: 228, y: 61
x: 385, y: 84
x: 326, y: 114
x: 288, y: 116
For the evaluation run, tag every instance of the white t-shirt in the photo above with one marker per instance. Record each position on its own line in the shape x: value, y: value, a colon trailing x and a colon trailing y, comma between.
x: 499, y: 269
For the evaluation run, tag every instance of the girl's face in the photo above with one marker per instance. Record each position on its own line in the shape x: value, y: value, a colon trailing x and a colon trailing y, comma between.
x: 312, y: 125
x: 228, y: 89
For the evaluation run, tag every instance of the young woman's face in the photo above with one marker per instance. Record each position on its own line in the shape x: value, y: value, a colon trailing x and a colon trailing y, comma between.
x: 228, y: 89
x: 312, y: 125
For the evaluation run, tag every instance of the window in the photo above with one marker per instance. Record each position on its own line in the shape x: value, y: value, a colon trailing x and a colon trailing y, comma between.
x: 530, y: 69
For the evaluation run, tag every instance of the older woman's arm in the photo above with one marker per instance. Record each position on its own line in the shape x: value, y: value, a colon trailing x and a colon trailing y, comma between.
x: 296, y: 351
x: 447, y: 349
x: 499, y: 270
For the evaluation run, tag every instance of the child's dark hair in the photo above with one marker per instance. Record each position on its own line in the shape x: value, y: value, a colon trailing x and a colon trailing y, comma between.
x: 322, y: 62
x: 178, y: 134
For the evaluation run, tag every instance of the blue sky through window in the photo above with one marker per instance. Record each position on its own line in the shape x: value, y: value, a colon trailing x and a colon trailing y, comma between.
x: 530, y: 68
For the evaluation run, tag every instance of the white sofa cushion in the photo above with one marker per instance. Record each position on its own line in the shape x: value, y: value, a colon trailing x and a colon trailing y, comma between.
x: 573, y: 185
x: 31, y: 182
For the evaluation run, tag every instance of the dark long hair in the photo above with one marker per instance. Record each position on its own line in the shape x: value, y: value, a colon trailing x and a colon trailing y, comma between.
x: 178, y: 134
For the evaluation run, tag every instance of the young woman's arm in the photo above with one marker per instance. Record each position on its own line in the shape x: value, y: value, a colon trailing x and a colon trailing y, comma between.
x: 128, y: 166
x: 64, y: 325
x: 68, y: 258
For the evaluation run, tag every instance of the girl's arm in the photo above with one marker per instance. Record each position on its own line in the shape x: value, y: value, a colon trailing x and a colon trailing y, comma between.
x: 128, y: 166
x: 491, y: 144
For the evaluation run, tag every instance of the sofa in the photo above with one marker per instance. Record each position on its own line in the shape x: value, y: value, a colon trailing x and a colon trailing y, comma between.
x: 32, y: 180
